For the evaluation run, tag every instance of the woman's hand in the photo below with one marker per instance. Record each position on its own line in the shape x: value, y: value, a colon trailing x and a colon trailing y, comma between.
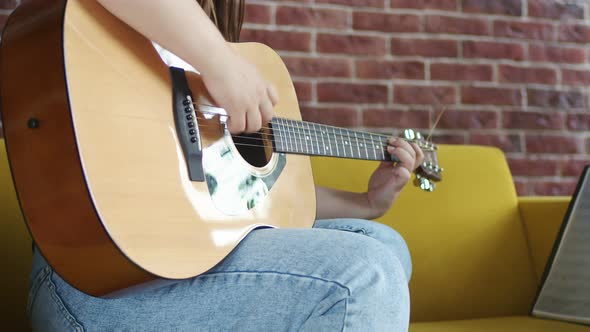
x: 236, y: 86
x: 233, y: 82
x: 384, y: 186
x: 389, y: 178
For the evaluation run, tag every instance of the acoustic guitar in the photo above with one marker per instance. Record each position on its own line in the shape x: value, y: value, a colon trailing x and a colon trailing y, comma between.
x: 124, y: 168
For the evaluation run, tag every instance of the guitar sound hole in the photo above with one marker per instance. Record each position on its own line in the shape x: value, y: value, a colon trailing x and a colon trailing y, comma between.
x: 253, y: 148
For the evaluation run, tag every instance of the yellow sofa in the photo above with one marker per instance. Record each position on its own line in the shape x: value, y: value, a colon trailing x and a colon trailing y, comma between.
x: 478, y: 250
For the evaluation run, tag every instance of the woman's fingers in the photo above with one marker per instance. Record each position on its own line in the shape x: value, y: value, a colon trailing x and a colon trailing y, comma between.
x: 406, y: 159
x: 409, y: 153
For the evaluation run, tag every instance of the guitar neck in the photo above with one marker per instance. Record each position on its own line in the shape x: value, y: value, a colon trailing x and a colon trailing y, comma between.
x: 308, y: 138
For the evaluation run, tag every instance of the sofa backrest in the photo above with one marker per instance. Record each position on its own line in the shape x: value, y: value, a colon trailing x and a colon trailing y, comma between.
x: 15, y: 250
x: 469, y: 252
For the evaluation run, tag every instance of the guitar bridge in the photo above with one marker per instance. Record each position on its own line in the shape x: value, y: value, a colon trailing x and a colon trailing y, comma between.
x: 187, y: 126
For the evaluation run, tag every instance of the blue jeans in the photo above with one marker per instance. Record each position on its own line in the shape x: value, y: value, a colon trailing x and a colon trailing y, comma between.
x: 344, y: 274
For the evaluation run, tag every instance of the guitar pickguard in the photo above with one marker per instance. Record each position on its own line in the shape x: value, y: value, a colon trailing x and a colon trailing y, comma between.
x: 234, y: 185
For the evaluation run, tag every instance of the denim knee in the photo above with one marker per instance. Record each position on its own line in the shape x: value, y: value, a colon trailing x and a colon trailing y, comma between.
x: 376, y: 230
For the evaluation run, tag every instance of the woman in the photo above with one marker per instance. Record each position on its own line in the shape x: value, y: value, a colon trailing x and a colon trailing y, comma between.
x: 343, y: 274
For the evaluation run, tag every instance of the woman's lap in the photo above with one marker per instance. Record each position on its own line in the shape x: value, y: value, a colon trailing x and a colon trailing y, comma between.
x: 275, y: 280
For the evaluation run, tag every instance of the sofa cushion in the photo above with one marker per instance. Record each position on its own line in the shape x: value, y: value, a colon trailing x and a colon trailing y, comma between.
x: 469, y: 253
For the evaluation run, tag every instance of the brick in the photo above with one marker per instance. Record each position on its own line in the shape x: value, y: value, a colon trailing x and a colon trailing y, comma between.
x: 425, y: 4
x: 356, y: 3
x: 457, y: 25
x: 575, y: 77
x: 279, y: 40
x: 303, y: 90
x: 255, y: 13
x: 575, y: 33
x: 460, y: 72
x: 524, y: 30
x: 3, y: 19
x: 468, y: 120
x: 574, y: 167
x: 312, y: 17
x: 555, y: 9
x: 551, y: 188
x: 556, y: 99
x: 533, y: 167
x: 347, y: 44
x: 557, y: 54
x: 396, y: 118
x: 493, y: 50
x: 435, y: 48
x: 334, y: 116
x: 382, y: 69
x: 505, y: 142
x: 386, y: 22
x: 521, y: 187
x: 352, y: 92
x: 500, y: 7
x: 318, y: 67
x: 515, y: 74
x: 490, y: 96
x: 552, y: 144
x: 9, y: 4
x: 449, y: 139
x: 533, y: 120
x: 580, y: 122
x: 424, y: 95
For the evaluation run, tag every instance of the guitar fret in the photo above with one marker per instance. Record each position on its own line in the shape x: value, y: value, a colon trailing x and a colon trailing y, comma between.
x: 302, y: 141
x: 309, y: 137
x: 372, y: 145
x: 367, y: 145
x: 336, y: 143
x: 327, y: 149
x: 292, y: 139
x: 358, y: 147
x: 284, y: 133
x: 317, y: 141
x: 304, y: 137
x: 294, y: 132
x: 348, y: 143
x: 278, y: 135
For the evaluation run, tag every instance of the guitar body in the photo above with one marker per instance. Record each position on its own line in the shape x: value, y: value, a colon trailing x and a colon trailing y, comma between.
x: 95, y: 154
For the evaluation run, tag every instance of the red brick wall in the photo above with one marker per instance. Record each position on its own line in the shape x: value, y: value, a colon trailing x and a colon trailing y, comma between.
x: 510, y: 73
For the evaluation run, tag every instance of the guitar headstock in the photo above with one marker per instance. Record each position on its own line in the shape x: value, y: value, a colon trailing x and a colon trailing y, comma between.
x: 429, y: 171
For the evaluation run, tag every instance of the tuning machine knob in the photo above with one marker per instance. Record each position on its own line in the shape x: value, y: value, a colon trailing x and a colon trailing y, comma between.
x: 424, y: 183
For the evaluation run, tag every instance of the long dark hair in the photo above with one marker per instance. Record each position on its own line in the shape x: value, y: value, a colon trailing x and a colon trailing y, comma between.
x: 228, y: 16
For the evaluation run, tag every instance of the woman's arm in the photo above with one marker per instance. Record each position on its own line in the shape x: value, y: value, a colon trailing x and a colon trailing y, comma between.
x: 333, y: 203
x: 182, y: 27
x: 383, y: 188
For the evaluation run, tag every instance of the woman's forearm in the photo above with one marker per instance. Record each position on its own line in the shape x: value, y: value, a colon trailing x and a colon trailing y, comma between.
x: 183, y: 28
x: 333, y: 203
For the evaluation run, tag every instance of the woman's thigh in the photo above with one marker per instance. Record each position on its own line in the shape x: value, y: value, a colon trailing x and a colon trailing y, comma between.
x: 275, y: 280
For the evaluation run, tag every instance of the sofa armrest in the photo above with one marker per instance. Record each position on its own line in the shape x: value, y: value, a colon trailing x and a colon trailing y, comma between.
x: 542, y: 218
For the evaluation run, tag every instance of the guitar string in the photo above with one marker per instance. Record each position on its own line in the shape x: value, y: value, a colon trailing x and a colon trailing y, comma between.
x: 314, y: 142
x: 312, y: 124
x: 315, y: 134
x: 378, y: 157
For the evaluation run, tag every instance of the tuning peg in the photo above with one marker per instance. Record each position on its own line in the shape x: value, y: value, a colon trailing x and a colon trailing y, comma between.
x: 410, y: 134
x: 424, y: 183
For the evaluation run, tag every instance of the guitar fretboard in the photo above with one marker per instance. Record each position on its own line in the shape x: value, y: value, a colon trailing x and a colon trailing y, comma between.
x: 300, y: 137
